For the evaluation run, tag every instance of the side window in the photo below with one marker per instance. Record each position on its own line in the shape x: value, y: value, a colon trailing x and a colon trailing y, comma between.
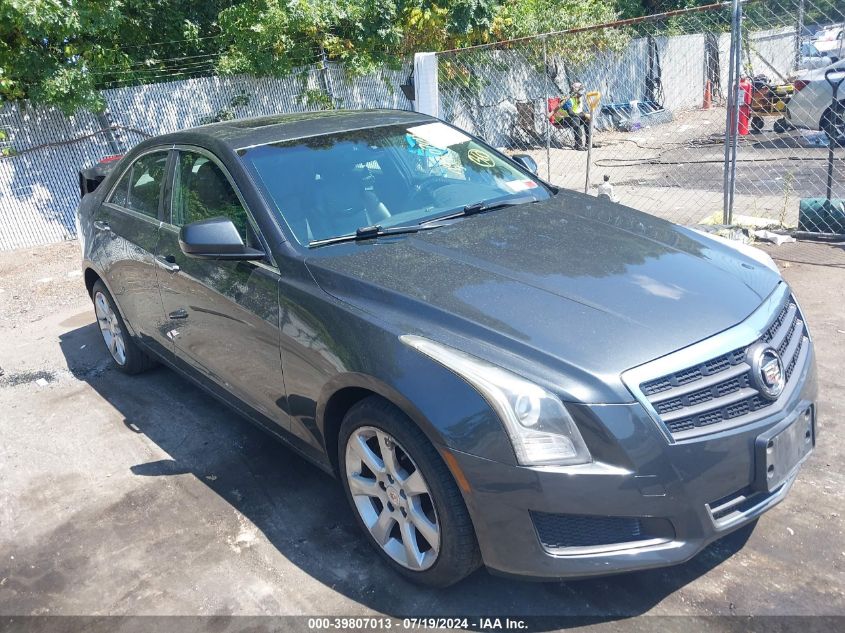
x: 201, y: 191
x: 118, y: 196
x: 145, y: 179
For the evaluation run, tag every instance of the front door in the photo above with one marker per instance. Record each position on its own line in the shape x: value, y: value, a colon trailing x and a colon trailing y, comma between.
x: 222, y: 316
x: 127, y: 225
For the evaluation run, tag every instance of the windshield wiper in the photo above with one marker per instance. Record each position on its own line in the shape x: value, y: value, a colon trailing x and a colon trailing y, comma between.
x: 368, y: 233
x: 481, y: 207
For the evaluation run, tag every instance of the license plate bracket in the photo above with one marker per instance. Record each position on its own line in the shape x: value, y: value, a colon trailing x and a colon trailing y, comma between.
x: 781, y: 449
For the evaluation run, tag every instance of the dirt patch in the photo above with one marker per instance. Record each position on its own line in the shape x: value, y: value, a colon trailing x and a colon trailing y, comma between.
x: 37, y: 281
x: 25, y: 377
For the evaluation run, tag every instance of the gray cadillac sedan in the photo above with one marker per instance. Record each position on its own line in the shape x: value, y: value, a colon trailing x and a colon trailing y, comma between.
x: 499, y: 372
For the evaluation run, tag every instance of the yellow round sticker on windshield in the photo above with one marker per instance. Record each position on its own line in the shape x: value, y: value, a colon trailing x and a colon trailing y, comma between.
x: 480, y: 158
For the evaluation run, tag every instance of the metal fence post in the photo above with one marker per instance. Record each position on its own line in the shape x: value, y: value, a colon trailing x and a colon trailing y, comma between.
x: 326, y: 77
x: 799, y: 32
x: 740, y: 100
x: 545, y: 110
x: 427, y: 84
x: 732, y: 115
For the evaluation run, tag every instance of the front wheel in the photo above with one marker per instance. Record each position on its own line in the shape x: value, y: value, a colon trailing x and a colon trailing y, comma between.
x: 403, y: 496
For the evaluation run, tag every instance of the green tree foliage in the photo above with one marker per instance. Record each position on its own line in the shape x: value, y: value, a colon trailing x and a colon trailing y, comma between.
x: 527, y: 17
x: 62, y: 52
x: 59, y: 52
x: 270, y: 37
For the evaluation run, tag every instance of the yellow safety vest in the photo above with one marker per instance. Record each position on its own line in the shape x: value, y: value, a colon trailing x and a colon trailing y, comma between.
x: 577, y: 108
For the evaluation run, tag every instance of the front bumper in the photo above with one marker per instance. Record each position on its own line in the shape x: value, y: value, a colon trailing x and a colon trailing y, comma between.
x: 674, y: 497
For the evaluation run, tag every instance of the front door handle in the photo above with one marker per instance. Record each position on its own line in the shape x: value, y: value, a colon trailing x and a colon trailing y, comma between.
x: 168, y: 263
x: 101, y: 226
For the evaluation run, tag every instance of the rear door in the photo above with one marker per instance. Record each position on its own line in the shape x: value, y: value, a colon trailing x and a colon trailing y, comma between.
x: 223, y: 316
x: 126, y: 227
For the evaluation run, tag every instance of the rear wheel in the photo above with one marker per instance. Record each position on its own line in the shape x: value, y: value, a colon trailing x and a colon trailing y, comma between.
x: 125, y: 354
x: 757, y: 124
x: 833, y: 124
x: 404, y: 497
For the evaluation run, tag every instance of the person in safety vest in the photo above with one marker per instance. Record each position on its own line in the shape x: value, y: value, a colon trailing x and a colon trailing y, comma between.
x: 574, y: 114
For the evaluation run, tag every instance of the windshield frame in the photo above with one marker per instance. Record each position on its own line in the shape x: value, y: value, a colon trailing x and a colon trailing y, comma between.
x: 304, y: 248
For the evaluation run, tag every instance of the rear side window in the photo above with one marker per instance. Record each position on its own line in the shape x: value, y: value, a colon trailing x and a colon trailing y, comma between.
x: 140, y: 187
x: 119, y: 196
x: 146, y: 178
x: 202, y: 191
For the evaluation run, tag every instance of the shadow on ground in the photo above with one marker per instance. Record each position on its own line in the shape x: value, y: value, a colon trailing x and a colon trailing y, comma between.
x: 303, y: 514
x: 789, y: 140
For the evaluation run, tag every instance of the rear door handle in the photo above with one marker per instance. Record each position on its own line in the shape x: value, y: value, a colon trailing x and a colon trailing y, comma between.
x: 101, y: 226
x: 168, y: 263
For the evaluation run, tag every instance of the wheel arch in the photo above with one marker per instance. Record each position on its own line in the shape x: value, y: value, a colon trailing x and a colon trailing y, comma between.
x: 831, y: 109
x: 345, y: 391
x: 91, y: 277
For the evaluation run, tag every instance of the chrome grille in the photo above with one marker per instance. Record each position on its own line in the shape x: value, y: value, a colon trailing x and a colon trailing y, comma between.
x: 720, y: 392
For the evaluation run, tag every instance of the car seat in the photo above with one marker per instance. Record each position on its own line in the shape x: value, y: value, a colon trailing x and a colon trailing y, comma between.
x: 343, y: 201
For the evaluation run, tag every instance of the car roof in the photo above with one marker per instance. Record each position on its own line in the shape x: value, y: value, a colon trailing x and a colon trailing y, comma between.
x: 242, y: 133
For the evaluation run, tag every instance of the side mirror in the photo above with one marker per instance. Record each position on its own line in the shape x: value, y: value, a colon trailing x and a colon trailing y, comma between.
x: 526, y: 161
x: 215, y: 238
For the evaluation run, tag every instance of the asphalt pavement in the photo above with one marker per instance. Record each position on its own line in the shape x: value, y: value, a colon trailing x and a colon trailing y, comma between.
x: 141, y: 495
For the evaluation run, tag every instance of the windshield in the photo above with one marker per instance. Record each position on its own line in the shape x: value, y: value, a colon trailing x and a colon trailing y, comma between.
x: 398, y: 175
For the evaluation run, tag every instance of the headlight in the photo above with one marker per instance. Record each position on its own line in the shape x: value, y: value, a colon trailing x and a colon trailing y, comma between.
x: 540, y: 427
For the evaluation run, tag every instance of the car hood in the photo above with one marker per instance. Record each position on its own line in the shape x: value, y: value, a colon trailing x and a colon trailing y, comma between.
x: 575, y: 284
x: 817, y: 74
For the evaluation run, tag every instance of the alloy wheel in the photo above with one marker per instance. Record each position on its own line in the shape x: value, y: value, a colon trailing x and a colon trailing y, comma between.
x: 392, y: 498
x: 110, y: 328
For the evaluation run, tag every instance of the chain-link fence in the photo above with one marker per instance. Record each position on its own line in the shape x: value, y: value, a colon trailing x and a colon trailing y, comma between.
x: 657, y: 139
x: 42, y: 150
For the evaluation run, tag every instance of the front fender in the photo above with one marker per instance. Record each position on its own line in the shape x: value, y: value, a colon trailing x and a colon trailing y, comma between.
x: 445, y: 407
x: 329, y: 346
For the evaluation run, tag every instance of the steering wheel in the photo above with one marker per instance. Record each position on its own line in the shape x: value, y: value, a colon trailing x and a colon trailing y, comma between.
x: 423, y: 193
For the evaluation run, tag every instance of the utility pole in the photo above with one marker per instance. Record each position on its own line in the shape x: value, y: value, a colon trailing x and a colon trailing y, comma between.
x: 110, y: 133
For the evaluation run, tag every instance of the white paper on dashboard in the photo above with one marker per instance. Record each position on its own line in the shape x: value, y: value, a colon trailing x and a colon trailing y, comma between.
x: 438, y: 134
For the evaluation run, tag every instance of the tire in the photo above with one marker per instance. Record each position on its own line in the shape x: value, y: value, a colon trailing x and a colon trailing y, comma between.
x: 417, y: 466
x: 125, y: 353
x: 780, y: 126
x: 833, y: 124
x: 757, y: 124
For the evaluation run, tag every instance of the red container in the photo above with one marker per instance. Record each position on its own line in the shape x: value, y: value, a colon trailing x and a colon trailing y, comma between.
x: 554, y: 104
x: 745, y: 89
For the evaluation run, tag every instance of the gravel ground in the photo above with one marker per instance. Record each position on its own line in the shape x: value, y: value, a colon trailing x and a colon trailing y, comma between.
x: 38, y: 281
x: 675, y: 170
x: 140, y: 495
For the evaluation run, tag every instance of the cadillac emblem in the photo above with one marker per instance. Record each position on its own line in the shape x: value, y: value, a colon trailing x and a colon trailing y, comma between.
x: 767, y: 373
